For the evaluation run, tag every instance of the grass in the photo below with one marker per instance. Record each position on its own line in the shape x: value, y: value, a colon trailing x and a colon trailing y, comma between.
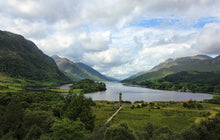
x: 103, y: 110
x: 65, y: 90
x: 59, y: 90
x: 170, y: 114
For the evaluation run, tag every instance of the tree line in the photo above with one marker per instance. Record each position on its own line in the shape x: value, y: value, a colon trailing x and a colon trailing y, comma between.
x: 88, y: 86
x: 187, y: 81
x: 45, y: 115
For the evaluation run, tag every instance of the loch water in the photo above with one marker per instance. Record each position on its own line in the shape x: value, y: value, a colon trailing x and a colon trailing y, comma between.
x: 137, y: 93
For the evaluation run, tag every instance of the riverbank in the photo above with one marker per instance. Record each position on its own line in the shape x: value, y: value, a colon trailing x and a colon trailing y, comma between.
x: 179, y: 87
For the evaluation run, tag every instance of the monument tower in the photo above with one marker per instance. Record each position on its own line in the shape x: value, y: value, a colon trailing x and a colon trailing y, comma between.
x: 120, y: 101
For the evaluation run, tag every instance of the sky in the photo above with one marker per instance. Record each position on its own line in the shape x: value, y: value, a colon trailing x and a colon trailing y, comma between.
x: 116, y: 37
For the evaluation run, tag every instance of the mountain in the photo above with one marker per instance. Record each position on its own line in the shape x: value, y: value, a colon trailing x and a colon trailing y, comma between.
x: 199, y: 73
x: 135, y: 75
x: 187, y: 61
x: 111, y: 78
x: 193, y: 77
x: 20, y: 58
x: 92, y: 71
x: 200, y: 63
x: 78, y: 71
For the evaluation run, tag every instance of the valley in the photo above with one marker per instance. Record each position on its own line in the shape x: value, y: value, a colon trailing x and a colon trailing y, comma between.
x: 34, y: 106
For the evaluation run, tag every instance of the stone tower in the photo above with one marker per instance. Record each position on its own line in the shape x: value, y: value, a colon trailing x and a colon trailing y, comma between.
x: 120, y: 101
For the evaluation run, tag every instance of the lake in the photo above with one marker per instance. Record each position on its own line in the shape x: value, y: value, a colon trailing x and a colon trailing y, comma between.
x: 136, y: 93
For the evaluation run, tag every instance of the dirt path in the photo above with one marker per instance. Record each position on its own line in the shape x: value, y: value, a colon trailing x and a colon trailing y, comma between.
x: 113, y: 116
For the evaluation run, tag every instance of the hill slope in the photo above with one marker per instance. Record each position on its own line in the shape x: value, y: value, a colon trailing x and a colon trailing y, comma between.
x: 78, y: 71
x: 93, y: 72
x: 21, y: 58
x: 195, y: 74
x: 200, y: 63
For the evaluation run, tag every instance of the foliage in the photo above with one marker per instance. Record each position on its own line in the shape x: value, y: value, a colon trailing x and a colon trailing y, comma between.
x: 192, y: 105
x: 187, y: 81
x: 78, y: 106
x: 34, y: 133
x: 120, y: 132
x: 12, y: 118
x: 66, y: 129
x: 46, y: 115
x: 88, y: 86
x: 41, y: 119
x: 207, y: 129
x: 39, y: 115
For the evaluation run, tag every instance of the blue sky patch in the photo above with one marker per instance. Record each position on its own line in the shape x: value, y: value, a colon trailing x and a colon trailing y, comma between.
x: 203, y: 21
x: 155, y: 22
x: 166, y: 22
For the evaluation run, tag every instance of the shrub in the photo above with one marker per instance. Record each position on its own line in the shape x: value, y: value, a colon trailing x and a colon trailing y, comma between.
x: 120, y: 132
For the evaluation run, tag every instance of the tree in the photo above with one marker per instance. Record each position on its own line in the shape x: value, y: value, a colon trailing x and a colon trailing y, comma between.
x: 12, y: 119
x: 66, y: 129
x: 88, y: 86
x: 41, y: 119
x: 78, y: 106
x: 120, y: 132
x: 34, y: 133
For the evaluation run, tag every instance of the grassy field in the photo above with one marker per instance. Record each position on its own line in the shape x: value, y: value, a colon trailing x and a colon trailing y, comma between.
x: 170, y: 114
x: 103, y: 110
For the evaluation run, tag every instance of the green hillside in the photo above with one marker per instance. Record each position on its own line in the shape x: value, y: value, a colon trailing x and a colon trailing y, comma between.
x: 78, y: 71
x: 187, y: 81
x: 92, y: 71
x: 195, y: 74
x: 200, y: 63
x: 21, y: 59
x: 194, y: 77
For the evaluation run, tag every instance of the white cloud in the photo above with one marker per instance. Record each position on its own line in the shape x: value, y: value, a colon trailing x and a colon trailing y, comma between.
x: 110, y: 35
x: 112, y: 57
x: 208, y: 41
x: 95, y: 41
x: 55, y: 43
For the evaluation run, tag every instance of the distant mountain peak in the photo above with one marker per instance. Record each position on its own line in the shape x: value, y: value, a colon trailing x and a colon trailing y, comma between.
x: 175, y: 61
x: 217, y: 57
x: 201, y: 57
x: 78, y: 71
x: 200, y: 63
x: 56, y: 57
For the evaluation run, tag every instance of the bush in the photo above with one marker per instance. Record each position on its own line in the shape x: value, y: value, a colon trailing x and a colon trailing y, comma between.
x: 66, y: 129
x: 190, y: 134
x: 192, y: 104
x: 120, y: 132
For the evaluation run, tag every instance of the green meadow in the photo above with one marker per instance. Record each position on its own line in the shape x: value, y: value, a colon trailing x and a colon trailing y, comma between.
x: 170, y: 114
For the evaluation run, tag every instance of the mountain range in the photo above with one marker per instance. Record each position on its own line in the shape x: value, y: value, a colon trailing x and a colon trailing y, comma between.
x: 200, y: 63
x: 21, y: 59
x: 79, y: 71
x: 198, y: 73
